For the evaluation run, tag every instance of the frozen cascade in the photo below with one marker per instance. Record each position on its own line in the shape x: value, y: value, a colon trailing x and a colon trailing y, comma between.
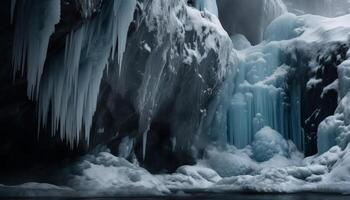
x: 207, y: 5
x: 259, y: 98
x: 71, y: 83
x: 262, y: 93
x: 31, y: 38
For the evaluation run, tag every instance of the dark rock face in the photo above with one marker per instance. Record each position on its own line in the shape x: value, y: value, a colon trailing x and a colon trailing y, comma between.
x: 316, y: 102
x: 183, y: 94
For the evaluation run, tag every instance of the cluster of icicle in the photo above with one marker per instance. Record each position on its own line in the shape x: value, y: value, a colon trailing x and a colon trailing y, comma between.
x: 68, y: 84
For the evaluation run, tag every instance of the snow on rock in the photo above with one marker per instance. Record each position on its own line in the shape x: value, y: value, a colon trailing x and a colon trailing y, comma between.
x: 104, y: 174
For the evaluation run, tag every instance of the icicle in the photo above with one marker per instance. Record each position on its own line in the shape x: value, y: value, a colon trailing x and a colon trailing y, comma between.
x: 125, y: 17
x: 31, y: 38
x: 13, y: 7
x: 72, y: 82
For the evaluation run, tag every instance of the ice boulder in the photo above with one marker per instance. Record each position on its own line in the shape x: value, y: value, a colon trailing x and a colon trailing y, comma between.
x: 268, y: 143
x: 230, y: 161
x: 284, y: 27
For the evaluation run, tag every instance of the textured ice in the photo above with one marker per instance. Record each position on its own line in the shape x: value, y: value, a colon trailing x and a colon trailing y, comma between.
x: 104, y: 174
x: 268, y: 143
x: 229, y: 161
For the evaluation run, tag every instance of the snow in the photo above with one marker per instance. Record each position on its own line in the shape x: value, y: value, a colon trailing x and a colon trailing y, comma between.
x: 190, y: 177
x: 104, y: 174
x: 229, y: 161
x: 284, y: 27
x: 313, y: 83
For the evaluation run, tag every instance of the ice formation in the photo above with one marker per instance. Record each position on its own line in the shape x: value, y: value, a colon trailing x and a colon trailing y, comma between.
x: 31, y: 38
x: 70, y: 85
x: 208, y: 5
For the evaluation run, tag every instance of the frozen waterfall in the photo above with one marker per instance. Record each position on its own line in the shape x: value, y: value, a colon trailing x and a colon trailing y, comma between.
x: 31, y: 38
x: 69, y: 85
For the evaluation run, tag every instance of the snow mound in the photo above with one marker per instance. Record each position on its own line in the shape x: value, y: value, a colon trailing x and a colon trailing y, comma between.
x: 284, y: 27
x: 105, y: 174
x: 230, y: 161
x: 190, y: 177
